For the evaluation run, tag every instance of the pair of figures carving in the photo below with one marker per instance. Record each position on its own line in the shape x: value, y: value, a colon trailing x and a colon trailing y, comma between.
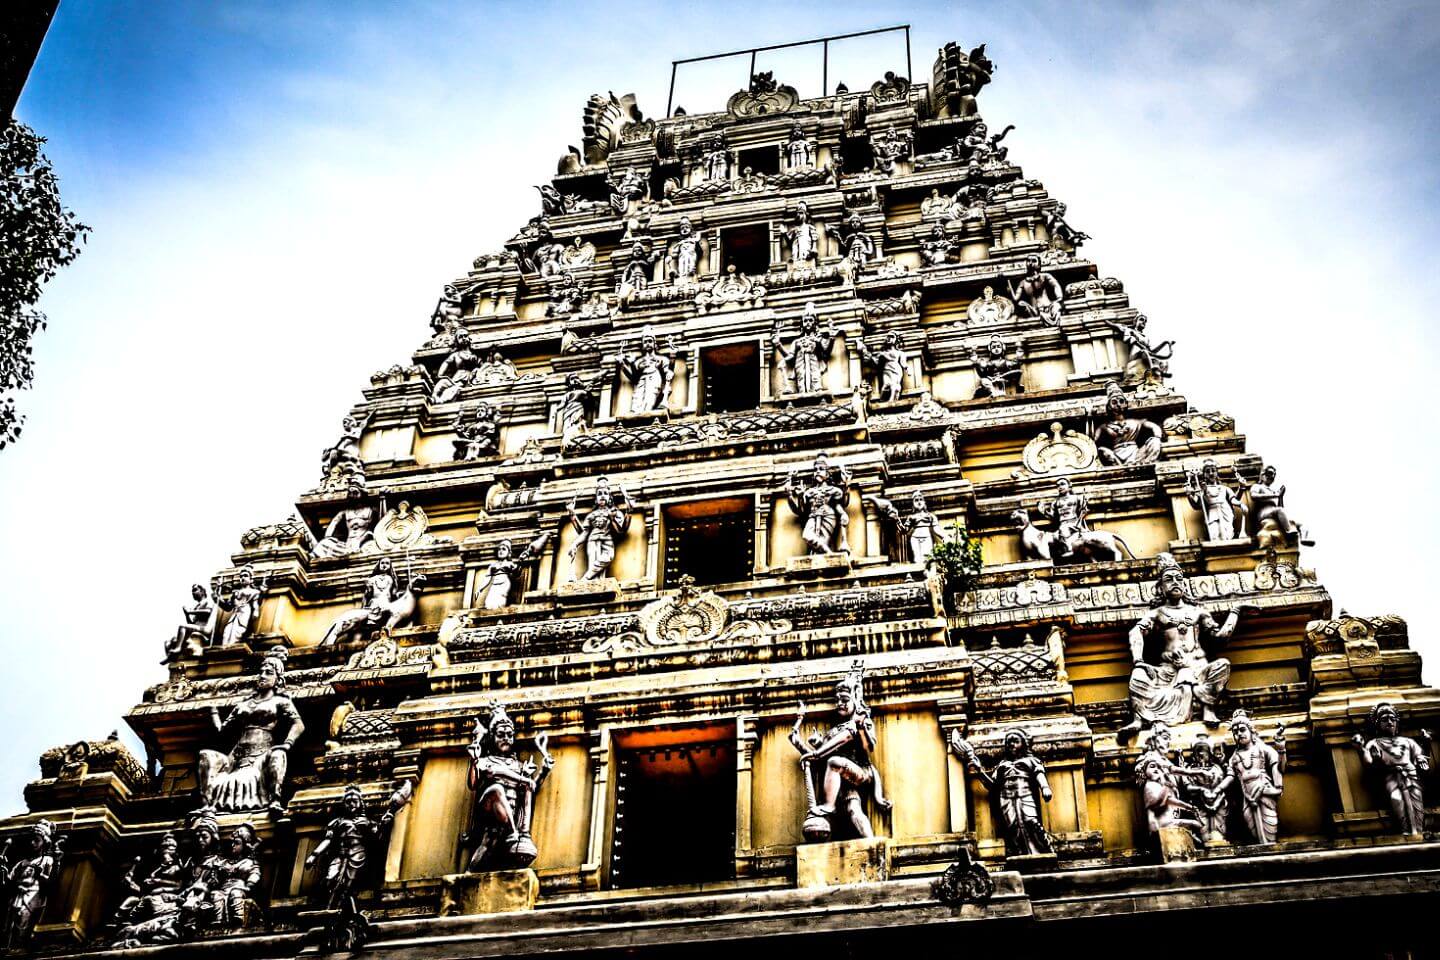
x: 1226, y: 514
x: 837, y: 767
x: 1072, y: 540
x: 808, y: 355
x: 820, y: 500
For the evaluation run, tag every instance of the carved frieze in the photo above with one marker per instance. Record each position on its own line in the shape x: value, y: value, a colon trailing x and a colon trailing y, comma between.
x: 1057, y: 453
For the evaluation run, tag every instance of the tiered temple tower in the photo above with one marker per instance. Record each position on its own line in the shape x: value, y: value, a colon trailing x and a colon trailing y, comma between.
x: 716, y: 435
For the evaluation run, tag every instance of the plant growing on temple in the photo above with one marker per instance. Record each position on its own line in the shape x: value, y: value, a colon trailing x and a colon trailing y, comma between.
x: 959, y: 560
x: 38, y: 236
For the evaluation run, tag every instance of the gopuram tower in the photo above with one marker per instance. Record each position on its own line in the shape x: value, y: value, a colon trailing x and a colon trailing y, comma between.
x: 788, y: 534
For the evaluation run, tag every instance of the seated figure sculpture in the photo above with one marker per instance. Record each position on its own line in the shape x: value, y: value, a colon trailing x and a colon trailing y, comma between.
x: 505, y: 787
x: 1038, y: 294
x: 1123, y: 440
x: 262, y: 728
x: 351, y: 530
x: 838, y: 769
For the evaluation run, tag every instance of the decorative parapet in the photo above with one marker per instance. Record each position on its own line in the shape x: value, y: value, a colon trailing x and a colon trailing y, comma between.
x: 1347, y: 633
x: 711, y: 430
x: 907, y: 303
x: 89, y: 757
x: 311, y: 682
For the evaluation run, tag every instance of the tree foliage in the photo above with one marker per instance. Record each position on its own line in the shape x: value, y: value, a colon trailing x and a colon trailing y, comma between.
x: 960, y: 561
x: 38, y: 236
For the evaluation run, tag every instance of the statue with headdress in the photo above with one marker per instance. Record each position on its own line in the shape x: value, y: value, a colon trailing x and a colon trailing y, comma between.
x: 25, y: 879
x: 1122, y: 440
x: 1018, y: 786
x: 1400, y: 762
x: 345, y: 851
x: 837, y: 767
x: 1258, y: 769
x: 505, y: 787
x: 261, y: 728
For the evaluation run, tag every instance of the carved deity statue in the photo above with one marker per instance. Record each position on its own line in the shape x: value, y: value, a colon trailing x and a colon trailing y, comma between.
x: 448, y: 310
x: 243, y: 600
x: 857, y: 242
x: 838, y: 769
x: 799, y: 151
x: 1175, y: 680
x: 1149, y: 363
x: 478, y: 435
x: 996, y: 373
x: 496, y: 369
x: 1018, y: 787
x: 505, y: 788
x: 502, y: 577
x: 198, y: 629
x: 820, y: 503
x: 650, y: 372
x: 344, y: 851
x: 388, y: 603
x: 576, y: 406
x: 714, y: 160
x: 262, y: 728
x: 887, y: 147
x: 1038, y: 294
x: 1072, y: 541
x: 1160, y: 796
x: 226, y: 883
x: 684, y: 255
x: 1266, y: 519
x: 1258, y: 769
x: 1123, y: 440
x: 1060, y: 232
x: 804, y: 238
x: 26, y: 876
x: 980, y: 145
x: 1203, y: 776
x: 351, y: 530
x: 599, y: 529
x: 938, y: 247
x: 1400, y: 763
x: 154, y: 887
x: 456, y: 371
x: 889, y: 363
x: 631, y: 187
x: 1220, y: 507
x: 809, y: 353
x: 918, y: 527
x: 638, y: 272
x: 347, y: 449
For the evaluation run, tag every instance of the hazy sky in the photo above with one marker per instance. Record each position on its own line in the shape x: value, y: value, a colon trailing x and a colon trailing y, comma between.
x: 278, y: 191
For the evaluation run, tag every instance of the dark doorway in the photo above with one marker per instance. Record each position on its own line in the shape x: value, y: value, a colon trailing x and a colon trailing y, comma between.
x: 747, y: 248
x: 730, y: 378
x: 761, y: 159
x: 711, y: 540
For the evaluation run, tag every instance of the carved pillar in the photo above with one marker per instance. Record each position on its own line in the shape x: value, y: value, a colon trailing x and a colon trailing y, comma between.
x: 654, y: 537
x: 953, y: 718
x: 407, y: 767
x: 591, y: 870
x: 763, y: 513
x: 745, y: 737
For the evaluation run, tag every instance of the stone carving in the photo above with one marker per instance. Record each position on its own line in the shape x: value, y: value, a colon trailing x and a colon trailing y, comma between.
x: 26, y: 876
x: 918, y: 527
x: 1037, y: 294
x: 997, y: 374
x: 938, y: 247
x: 270, y: 535
x: 958, y: 78
x: 937, y: 207
x: 497, y: 588
x: 972, y: 201
x: 800, y: 151
x: 804, y: 238
x: 150, y: 912
x: 242, y: 600
x: 1072, y: 540
x: 632, y: 187
x: 820, y: 503
x: 496, y: 369
x: 1122, y: 440
x: 637, y: 273
x: 388, y: 603
x: 478, y: 434
x: 764, y: 97
x: 1220, y: 507
x: 928, y: 408
x: 715, y: 160
x: 345, y: 852
x: 1148, y: 364
x: 347, y: 449
x: 1200, y: 788
x: 227, y: 882
x: 262, y: 728
x: 1175, y: 680
x: 650, y: 372
x: 888, y: 147
x: 907, y: 302
x: 505, y: 788
x: 604, y: 122
x: 403, y: 528
x: 1400, y: 762
x: 989, y: 309
x: 892, y: 89
x: 731, y: 287
x: 1160, y: 790
x: 857, y: 243
x: 837, y: 767
x: 351, y: 530
x: 1258, y: 770
x: 1059, y: 451
x: 445, y: 318
x: 197, y: 631
x: 964, y: 881
x: 747, y: 424
x: 599, y: 529
x: 890, y: 363
x: 751, y: 182
x: 981, y: 146
x: 456, y: 371
x: 809, y: 353
x: 1060, y: 232
x: 1193, y: 424
x: 684, y: 254
x: 1017, y: 786
x: 564, y: 294
x: 579, y: 253
x: 1265, y: 516
x: 577, y: 406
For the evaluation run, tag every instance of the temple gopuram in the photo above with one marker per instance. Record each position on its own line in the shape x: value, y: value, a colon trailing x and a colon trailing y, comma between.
x: 788, y: 540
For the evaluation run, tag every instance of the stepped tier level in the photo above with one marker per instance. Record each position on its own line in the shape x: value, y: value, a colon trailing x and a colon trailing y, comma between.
x: 788, y: 532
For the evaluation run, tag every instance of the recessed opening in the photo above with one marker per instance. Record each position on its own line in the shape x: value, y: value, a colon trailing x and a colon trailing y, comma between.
x: 710, y: 540
x: 730, y: 378
x: 747, y: 248
x: 761, y: 159
x: 674, y: 806
x: 661, y: 172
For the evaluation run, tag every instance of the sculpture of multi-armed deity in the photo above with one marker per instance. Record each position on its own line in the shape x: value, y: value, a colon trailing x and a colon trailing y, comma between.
x: 1257, y: 770
x: 809, y: 353
x: 26, y: 876
x: 838, y: 768
x: 351, y: 530
x: 261, y: 730
x: 1220, y: 506
x: 344, y: 851
x: 505, y: 788
x: 600, y: 528
x: 477, y: 435
x: 1149, y: 363
x: 820, y: 500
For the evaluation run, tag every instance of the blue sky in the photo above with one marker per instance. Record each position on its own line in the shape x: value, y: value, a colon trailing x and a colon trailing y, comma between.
x: 278, y: 190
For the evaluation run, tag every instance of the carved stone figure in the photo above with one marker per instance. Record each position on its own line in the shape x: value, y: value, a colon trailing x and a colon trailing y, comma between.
x: 579, y: 253
x: 918, y: 527
x: 243, y: 601
x: 859, y: 245
x: 1018, y: 787
x: 714, y: 159
x: 388, y: 603
x: 938, y: 247
x: 1266, y: 519
x: 1060, y: 232
x: 505, y: 788
x: 1400, y: 763
x: 1037, y: 294
x: 809, y: 353
x: 1122, y: 440
x: 804, y: 238
x: 989, y: 308
x: 345, y: 852
x: 456, y: 370
x: 347, y: 449
x: 1148, y: 364
x: 1175, y: 680
x: 1200, y: 788
x: 198, y: 630
x: 1220, y: 507
x: 403, y: 528
x: 838, y: 769
x: 820, y: 503
x: 799, y: 151
x: 497, y: 588
x: 478, y: 435
x: 351, y: 530
x: 599, y: 529
x: 684, y: 255
x: 448, y: 310
x: 631, y: 187
x: 650, y: 372
x: 1161, y: 797
x: 638, y: 272
x: 150, y: 912
x: 889, y: 146
x: 1072, y: 541
x: 936, y: 207
x: 226, y: 883
x: 972, y: 199
x: 262, y: 729
x: 890, y: 363
x: 565, y: 296
x: 1258, y: 769
x: 496, y: 369
x: 576, y: 406
x: 996, y: 374
x: 26, y: 876
x: 980, y: 145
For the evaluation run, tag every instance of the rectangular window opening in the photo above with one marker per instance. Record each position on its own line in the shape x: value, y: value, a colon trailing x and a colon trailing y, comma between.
x: 760, y: 159
x: 747, y: 248
x: 710, y: 540
x: 730, y: 378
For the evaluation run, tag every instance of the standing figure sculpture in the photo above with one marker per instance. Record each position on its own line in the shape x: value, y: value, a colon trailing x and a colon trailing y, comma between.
x: 345, y: 851
x: 1400, y: 761
x: 918, y: 527
x: 576, y: 406
x: 838, y: 769
x: 809, y: 353
x: 804, y: 238
x: 456, y: 370
x: 684, y: 255
x: 497, y: 587
x: 859, y: 245
x: 505, y: 787
x: 1220, y: 507
x: 25, y: 879
x: 638, y: 272
x: 198, y: 630
x: 351, y: 530
x: 1038, y: 294
x: 263, y: 728
x: 243, y: 601
x: 599, y: 529
x: 1161, y: 798
x: 1203, y: 775
x: 820, y: 503
x: 1018, y: 787
x: 1122, y: 440
x: 478, y: 435
x: 1149, y: 363
x: 651, y: 373
x: 889, y: 363
x: 1259, y: 770
x: 1266, y: 519
x: 799, y: 151
x: 996, y: 374
x: 1178, y: 682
